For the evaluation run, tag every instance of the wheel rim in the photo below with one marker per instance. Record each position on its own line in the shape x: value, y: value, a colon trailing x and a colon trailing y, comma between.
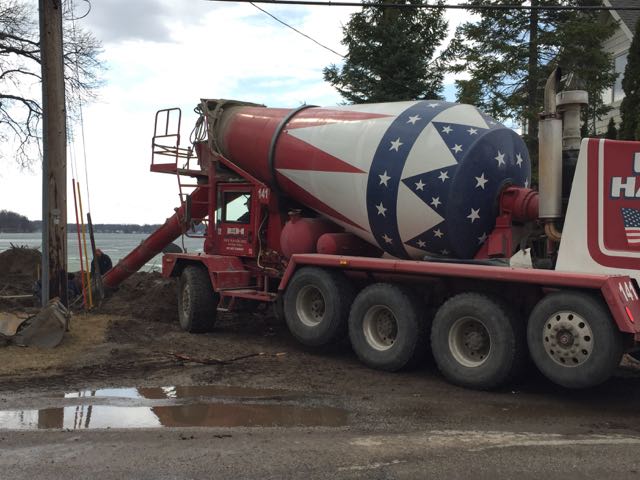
x: 567, y: 338
x: 469, y: 342
x: 380, y: 327
x: 310, y: 306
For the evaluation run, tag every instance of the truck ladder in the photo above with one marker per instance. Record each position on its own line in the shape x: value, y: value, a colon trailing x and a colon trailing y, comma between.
x: 166, y: 144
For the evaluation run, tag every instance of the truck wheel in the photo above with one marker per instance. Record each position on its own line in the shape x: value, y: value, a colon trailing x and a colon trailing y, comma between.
x: 316, y: 306
x: 197, y: 301
x: 573, y: 340
x: 477, y: 341
x: 386, y: 327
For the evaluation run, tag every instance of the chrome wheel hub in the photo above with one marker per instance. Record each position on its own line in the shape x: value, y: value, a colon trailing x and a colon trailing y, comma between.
x: 567, y: 338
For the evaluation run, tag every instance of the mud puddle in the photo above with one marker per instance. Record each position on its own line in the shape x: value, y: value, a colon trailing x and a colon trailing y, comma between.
x: 156, y: 407
x: 177, y: 392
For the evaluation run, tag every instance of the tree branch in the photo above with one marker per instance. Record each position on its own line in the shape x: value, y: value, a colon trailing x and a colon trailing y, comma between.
x: 4, y: 35
x: 19, y: 70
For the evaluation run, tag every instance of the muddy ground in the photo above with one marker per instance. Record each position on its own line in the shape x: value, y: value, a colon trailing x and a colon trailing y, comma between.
x: 404, y: 425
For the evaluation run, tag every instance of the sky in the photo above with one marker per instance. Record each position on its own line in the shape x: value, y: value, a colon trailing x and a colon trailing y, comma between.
x: 164, y: 53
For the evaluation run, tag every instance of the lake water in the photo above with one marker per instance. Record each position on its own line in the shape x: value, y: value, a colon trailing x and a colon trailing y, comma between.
x: 116, y: 245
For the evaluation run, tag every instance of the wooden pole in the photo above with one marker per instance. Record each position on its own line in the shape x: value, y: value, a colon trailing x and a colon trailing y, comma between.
x: 86, y: 252
x: 96, y: 264
x: 54, y: 148
x: 75, y: 204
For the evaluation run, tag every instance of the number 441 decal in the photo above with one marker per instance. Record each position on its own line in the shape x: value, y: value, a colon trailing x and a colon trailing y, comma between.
x: 627, y: 291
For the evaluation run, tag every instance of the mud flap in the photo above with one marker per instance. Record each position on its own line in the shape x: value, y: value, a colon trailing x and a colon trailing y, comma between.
x: 45, y: 329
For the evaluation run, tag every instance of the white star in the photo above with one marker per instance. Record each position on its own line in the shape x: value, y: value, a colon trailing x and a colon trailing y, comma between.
x: 519, y: 160
x: 395, y: 145
x: 473, y: 131
x: 481, y: 181
x: 526, y: 183
x: 500, y: 158
x: 387, y: 238
x: 381, y: 209
x: 422, y: 244
x: 384, y: 178
x: 474, y: 215
x: 433, y: 105
x: 435, y: 201
x: 438, y: 233
x: 444, y: 252
x: 482, y: 238
x: 414, y: 119
x: 447, y: 129
x: 443, y: 176
x: 457, y: 148
x: 420, y: 185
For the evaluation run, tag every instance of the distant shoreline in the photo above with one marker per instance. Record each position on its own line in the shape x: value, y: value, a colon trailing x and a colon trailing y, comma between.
x: 12, y: 222
x: 36, y: 227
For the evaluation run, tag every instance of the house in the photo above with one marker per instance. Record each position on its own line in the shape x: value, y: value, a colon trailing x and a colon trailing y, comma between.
x: 618, y: 46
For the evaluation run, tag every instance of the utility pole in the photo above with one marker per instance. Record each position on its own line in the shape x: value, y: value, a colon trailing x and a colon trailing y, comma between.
x: 54, y: 148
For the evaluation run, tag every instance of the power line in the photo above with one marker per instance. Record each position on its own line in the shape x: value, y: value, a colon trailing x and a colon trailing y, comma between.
x: 294, y: 29
x: 401, y: 85
x: 585, y: 8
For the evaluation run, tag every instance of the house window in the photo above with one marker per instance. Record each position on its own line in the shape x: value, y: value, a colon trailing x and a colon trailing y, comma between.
x: 616, y: 94
x: 620, y: 65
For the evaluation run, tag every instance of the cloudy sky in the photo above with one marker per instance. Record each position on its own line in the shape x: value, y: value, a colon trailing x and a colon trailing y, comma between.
x: 165, y: 53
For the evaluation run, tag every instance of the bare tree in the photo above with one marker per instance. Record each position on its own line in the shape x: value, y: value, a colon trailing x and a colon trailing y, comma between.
x: 20, y: 90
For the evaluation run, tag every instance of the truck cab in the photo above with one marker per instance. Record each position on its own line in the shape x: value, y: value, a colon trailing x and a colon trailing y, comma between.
x: 235, y: 222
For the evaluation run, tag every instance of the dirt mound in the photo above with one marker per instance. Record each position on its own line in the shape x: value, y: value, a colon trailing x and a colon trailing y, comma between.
x: 144, y: 295
x: 18, y: 273
x: 22, y: 261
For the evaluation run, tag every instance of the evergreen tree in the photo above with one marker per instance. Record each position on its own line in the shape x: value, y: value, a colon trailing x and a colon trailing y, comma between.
x: 612, y: 131
x: 390, y: 54
x: 510, y: 53
x: 630, y: 108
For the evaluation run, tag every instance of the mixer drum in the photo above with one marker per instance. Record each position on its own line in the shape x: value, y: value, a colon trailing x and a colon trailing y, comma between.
x: 411, y: 178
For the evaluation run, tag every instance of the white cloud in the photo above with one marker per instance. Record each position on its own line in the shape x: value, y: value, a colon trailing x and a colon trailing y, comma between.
x: 163, y: 53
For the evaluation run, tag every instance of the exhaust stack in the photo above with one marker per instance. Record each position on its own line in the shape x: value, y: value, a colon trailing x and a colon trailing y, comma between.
x: 570, y: 104
x: 550, y: 152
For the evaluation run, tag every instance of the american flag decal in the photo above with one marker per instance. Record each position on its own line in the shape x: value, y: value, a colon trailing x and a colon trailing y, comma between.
x: 631, y: 218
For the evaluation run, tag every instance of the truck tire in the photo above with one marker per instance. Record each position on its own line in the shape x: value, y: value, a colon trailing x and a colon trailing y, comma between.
x: 386, y: 327
x: 573, y: 340
x: 316, y: 306
x: 197, y: 301
x: 477, y: 341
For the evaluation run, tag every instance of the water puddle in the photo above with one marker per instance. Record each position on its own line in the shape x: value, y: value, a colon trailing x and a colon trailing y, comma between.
x: 197, y: 406
x: 192, y: 392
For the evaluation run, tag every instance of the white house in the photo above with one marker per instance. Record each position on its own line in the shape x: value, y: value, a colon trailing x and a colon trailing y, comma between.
x: 618, y: 46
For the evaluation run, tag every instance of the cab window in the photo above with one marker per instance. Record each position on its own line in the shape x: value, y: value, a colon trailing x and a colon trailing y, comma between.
x: 236, y: 207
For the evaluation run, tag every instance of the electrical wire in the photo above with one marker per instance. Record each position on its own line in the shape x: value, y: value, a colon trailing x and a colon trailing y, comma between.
x: 395, y: 82
x: 89, y: 6
x: 464, y: 6
x: 294, y: 29
x: 80, y: 107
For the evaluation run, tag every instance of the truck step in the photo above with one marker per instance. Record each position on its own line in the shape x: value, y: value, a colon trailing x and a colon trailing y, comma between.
x: 249, y: 294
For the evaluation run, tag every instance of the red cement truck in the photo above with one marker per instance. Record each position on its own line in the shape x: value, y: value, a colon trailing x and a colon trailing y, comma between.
x: 409, y: 226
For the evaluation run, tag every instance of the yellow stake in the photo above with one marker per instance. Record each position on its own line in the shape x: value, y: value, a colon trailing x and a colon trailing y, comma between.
x: 86, y: 252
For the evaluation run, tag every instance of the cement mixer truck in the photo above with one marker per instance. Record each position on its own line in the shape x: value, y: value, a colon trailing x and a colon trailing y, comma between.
x: 408, y: 227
